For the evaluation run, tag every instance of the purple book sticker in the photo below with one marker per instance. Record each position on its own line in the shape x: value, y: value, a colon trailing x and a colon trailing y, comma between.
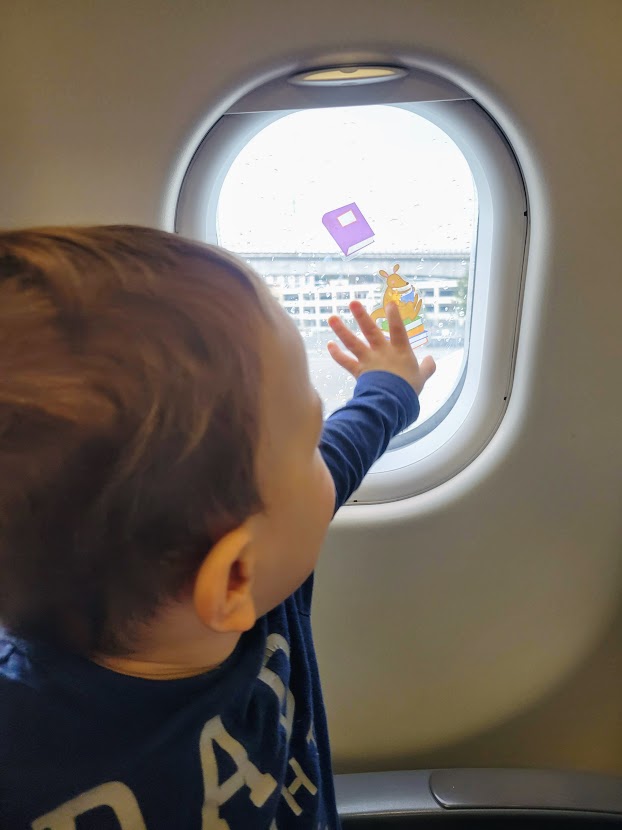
x: 349, y: 228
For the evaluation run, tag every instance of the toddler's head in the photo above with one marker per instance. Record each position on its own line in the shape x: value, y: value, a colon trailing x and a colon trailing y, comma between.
x: 158, y: 438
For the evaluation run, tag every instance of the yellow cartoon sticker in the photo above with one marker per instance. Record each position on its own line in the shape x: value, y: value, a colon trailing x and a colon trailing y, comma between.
x: 402, y: 293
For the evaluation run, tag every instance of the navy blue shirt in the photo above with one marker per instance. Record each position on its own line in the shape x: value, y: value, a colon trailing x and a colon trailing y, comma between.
x: 244, y: 746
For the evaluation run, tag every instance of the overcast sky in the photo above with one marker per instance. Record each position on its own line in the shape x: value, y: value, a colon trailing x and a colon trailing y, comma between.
x: 409, y: 179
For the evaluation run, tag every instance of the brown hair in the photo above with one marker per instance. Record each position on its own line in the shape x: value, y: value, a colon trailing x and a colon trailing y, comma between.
x: 129, y: 420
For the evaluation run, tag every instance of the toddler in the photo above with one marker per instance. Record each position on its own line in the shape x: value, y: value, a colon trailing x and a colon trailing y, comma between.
x: 167, y: 480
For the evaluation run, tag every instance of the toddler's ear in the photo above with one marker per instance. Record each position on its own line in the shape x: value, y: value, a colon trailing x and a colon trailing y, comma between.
x: 222, y: 593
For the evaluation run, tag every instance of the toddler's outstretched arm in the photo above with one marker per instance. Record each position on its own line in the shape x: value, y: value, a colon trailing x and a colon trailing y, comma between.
x: 385, y: 399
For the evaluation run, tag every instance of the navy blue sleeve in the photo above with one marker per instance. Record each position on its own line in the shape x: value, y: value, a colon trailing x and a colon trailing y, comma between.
x: 355, y: 436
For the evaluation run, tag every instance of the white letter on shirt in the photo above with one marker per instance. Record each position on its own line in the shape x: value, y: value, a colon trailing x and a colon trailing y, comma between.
x: 113, y: 794
x: 286, y: 699
x: 301, y: 780
x: 261, y: 785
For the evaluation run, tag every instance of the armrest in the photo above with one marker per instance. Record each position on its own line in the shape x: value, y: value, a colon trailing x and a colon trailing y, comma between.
x: 441, y: 792
x: 384, y: 793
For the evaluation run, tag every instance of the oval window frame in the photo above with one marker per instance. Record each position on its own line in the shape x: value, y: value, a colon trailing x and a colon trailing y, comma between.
x: 467, y: 421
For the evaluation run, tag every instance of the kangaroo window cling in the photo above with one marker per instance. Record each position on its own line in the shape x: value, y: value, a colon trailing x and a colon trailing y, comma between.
x: 403, y: 294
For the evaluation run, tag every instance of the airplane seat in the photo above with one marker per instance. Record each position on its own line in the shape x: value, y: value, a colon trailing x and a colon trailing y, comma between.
x: 465, y: 799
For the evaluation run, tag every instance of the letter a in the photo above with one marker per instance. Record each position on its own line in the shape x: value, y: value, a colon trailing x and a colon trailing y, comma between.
x: 261, y: 785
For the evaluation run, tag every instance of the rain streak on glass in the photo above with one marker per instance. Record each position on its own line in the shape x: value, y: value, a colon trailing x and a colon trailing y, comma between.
x: 413, y: 186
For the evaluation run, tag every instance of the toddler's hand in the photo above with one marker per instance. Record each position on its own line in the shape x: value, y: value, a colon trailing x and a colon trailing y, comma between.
x: 394, y: 355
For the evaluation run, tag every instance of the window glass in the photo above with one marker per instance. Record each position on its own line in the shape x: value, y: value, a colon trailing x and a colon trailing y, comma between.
x: 321, y: 201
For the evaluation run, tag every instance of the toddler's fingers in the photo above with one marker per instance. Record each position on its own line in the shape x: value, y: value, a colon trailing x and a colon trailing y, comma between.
x: 347, y: 336
x: 344, y: 360
x: 397, y: 330
x: 427, y: 367
x: 368, y: 327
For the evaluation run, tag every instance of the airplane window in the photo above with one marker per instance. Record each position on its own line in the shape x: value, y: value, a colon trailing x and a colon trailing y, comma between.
x: 374, y: 203
x: 404, y: 191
